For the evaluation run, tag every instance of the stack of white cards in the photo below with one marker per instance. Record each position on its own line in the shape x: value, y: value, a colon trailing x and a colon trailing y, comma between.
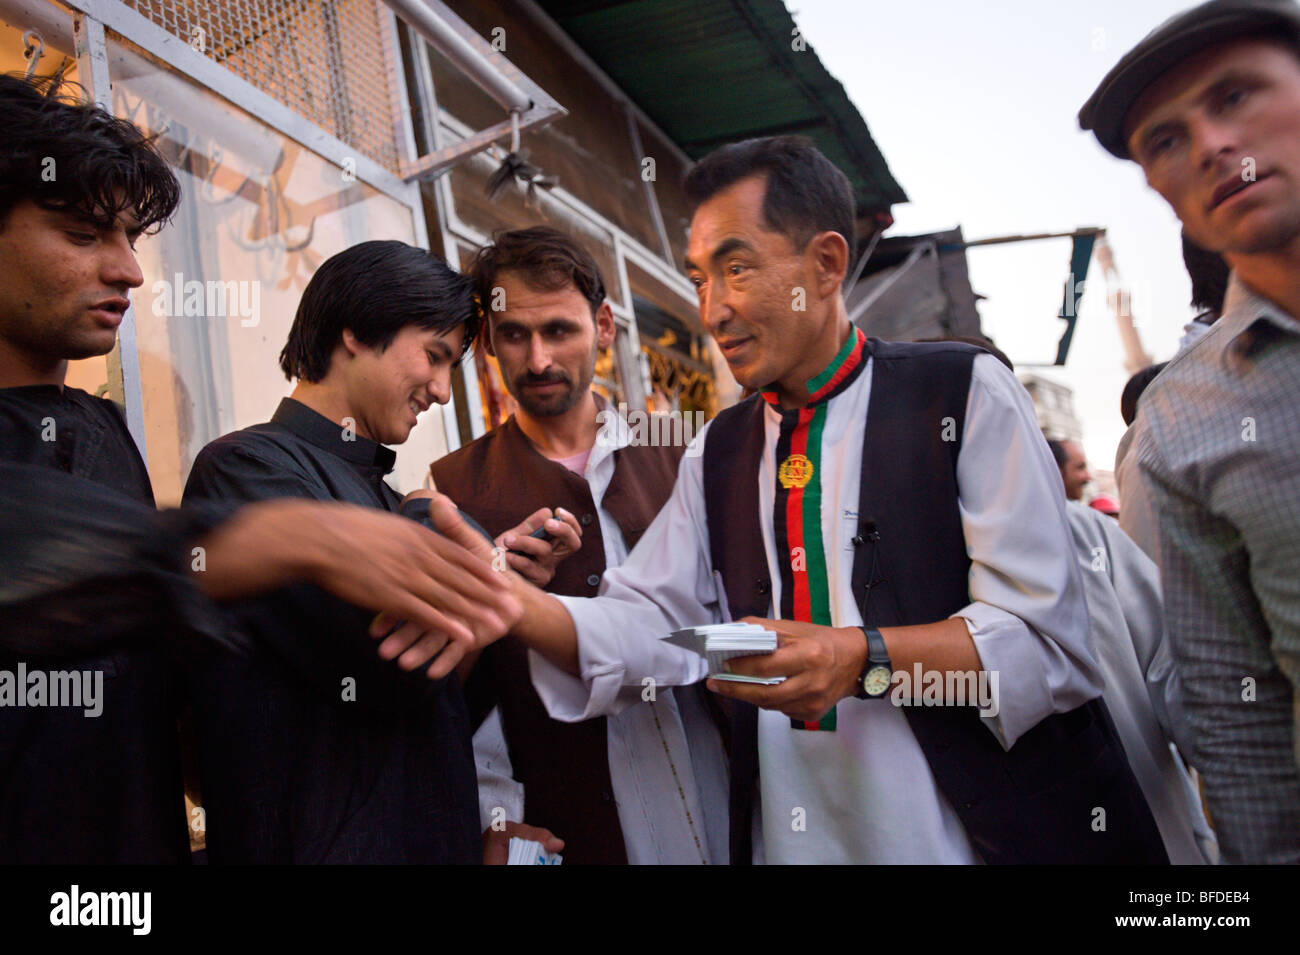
x: 528, y: 852
x: 719, y: 642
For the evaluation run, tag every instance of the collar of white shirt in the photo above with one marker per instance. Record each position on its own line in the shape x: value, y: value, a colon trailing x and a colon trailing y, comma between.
x: 614, y: 433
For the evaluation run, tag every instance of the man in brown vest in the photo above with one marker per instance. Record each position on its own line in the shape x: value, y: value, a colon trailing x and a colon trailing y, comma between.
x: 646, y: 786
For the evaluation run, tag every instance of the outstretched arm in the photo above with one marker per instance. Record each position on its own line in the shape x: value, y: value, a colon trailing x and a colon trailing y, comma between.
x: 594, y: 656
x: 407, y: 570
x: 75, y: 578
x: 349, y: 561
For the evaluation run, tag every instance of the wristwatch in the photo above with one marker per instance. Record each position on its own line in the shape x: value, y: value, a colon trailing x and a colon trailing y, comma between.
x: 879, y: 672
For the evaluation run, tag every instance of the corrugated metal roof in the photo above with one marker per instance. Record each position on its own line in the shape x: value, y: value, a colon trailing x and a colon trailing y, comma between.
x: 709, y: 72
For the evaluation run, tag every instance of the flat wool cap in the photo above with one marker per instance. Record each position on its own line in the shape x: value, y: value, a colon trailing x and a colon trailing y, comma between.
x: 1168, y: 45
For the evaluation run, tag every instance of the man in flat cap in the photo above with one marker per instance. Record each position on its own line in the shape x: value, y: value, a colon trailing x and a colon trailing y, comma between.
x: 1209, y: 106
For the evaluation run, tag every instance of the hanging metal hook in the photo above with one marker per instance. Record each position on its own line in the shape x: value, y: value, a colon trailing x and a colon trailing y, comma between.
x: 33, y: 50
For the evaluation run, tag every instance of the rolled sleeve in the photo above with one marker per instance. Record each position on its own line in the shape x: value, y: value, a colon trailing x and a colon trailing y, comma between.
x: 666, y: 583
x: 1027, y: 618
x: 620, y: 653
x: 498, y: 790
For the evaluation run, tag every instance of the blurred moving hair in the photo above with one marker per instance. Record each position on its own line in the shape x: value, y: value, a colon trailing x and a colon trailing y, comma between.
x: 375, y: 289
x: 806, y: 194
x: 65, y: 154
x: 1128, y: 401
x: 1209, y: 275
x: 1058, y: 451
x: 545, y: 258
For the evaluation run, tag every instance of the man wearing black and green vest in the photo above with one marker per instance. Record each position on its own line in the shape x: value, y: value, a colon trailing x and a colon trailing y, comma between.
x: 892, y: 511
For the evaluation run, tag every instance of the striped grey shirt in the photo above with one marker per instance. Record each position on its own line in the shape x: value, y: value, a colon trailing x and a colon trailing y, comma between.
x: 1220, y: 460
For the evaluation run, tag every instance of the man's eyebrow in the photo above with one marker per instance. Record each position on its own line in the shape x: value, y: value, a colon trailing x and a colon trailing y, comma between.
x: 1149, y: 135
x: 551, y: 323
x: 1232, y: 76
x: 725, y: 247
x: 71, y: 215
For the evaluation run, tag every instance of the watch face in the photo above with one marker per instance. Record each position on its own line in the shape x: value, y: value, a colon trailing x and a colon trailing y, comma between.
x: 877, y: 681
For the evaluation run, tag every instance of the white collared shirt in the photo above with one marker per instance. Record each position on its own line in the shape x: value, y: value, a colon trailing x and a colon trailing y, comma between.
x: 1143, y: 692
x: 864, y: 793
x: 666, y: 762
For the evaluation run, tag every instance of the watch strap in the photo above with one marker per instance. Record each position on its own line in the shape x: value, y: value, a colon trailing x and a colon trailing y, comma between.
x: 877, y: 652
x: 877, y: 656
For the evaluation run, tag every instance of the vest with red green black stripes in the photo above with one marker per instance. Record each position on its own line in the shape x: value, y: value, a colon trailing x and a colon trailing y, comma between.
x: 1031, y: 804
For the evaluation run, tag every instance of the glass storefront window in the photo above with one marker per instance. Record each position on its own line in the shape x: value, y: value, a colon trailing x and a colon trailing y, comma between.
x: 675, y: 346
x: 259, y: 214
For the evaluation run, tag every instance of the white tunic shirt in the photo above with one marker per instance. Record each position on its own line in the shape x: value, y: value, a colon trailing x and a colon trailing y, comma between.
x: 863, y: 793
x: 666, y: 762
x: 1143, y: 691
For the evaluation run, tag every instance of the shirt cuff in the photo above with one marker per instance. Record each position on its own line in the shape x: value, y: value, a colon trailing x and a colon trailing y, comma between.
x: 616, y: 664
x: 1021, y: 697
x: 498, y: 791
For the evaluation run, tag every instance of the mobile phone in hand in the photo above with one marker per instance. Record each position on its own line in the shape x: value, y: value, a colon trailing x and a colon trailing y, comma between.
x: 542, y: 534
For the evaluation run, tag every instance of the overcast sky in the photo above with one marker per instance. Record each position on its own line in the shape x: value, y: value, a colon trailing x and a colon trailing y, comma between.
x: 974, y: 106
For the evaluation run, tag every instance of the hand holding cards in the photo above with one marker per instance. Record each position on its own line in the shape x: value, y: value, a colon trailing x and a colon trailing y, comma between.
x: 720, y: 642
x: 530, y: 852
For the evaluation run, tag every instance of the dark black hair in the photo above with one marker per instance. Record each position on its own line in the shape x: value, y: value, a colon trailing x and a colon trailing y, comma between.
x: 1209, y: 276
x: 67, y: 155
x: 1128, y: 401
x: 375, y: 289
x: 1058, y: 451
x: 546, y: 258
x: 806, y: 194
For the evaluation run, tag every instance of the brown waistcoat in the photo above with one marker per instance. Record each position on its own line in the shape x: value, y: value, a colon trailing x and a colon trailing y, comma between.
x: 500, y: 479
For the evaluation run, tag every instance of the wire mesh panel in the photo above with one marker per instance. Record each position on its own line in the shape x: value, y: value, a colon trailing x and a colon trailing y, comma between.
x: 324, y: 59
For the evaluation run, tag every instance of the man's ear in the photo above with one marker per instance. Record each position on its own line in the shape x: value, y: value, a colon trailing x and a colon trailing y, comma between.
x: 605, y: 327
x: 830, y: 259
x: 350, y: 343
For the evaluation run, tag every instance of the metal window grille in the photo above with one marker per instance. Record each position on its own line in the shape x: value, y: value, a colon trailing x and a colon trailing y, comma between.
x: 324, y: 59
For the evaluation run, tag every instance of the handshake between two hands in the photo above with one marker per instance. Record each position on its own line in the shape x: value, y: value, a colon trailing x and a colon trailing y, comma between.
x: 441, y: 596
x: 819, y: 665
x: 454, y: 592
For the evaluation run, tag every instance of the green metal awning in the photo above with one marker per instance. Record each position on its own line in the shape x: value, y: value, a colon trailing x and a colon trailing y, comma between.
x: 709, y: 72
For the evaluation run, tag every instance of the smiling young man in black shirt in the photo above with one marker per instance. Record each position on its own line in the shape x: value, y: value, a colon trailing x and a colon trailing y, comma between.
x: 313, y: 748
